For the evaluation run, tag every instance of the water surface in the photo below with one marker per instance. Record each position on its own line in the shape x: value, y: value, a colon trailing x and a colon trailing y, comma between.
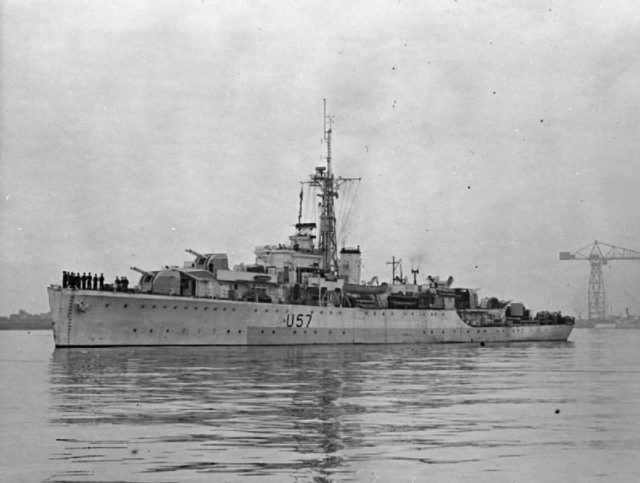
x: 507, y: 412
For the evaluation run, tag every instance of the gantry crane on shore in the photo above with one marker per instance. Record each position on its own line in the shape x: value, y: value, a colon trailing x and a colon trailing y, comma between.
x: 599, y: 254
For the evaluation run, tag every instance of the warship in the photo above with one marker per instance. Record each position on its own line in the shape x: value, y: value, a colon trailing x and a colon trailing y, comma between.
x: 304, y: 291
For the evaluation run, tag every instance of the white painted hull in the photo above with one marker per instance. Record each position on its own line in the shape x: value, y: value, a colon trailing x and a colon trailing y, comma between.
x: 85, y: 318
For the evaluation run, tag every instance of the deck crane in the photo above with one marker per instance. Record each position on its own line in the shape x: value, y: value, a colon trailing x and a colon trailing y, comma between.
x: 599, y: 254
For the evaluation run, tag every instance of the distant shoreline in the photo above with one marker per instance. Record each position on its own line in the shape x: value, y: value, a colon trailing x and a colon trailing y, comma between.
x: 26, y: 325
x: 23, y: 320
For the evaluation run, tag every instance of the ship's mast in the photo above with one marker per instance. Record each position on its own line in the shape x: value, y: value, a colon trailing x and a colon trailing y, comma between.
x: 324, y: 179
x: 395, y: 264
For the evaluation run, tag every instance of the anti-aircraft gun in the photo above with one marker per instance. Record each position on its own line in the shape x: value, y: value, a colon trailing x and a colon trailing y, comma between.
x: 146, y: 279
x: 201, y: 259
x: 199, y: 256
x: 211, y: 262
x: 194, y: 253
x: 141, y: 272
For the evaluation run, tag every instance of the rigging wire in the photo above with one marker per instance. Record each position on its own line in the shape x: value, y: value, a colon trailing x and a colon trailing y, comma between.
x: 349, y: 198
x: 310, y: 205
x: 353, y: 203
x: 342, y: 205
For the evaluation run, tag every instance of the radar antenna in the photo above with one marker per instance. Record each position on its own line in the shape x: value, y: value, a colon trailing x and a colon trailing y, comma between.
x: 415, y: 275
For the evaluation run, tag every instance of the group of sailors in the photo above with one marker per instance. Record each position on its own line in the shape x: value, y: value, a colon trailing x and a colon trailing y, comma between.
x: 121, y: 284
x: 86, y: 281
x: 82, y: 282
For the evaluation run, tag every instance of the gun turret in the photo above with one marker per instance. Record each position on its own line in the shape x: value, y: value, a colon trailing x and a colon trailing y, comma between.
x: 140, y: 271
x: 194, y: 253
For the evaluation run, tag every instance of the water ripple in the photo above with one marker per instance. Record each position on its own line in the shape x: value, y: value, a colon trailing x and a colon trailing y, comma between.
x: 344, y: 413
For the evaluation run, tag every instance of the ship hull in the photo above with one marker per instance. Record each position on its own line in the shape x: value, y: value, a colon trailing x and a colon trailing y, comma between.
x: 85, y: 318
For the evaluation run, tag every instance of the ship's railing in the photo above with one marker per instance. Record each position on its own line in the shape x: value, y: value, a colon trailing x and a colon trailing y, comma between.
x: 279, y: 246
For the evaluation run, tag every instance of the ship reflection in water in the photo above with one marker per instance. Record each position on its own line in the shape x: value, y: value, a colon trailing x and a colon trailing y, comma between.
x: 319, y: 413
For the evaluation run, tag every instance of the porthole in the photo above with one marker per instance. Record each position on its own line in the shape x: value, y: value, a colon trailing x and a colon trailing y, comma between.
x: 195, y: 308
x: 164, y: 306
x: 255, y: 310
x: 262, y: 331
x: 330, y: 312
x: 228, y: 331
x: 185, y: 307
x: 224, y: 309
x: 153, y: 306
x: 240, y: 332
x: 135, y: 330
x: 125, y: 306
x: 443, y: 331
x: 431, y: 332
x: 294, y: 332
x: 266, y: 310
x: 315, y: 331
x: 233, y: 309
x: 343, y: 332
x: 167, y: 331
x: 106, y: 305
x: 175, y: 307
x: 215, y: 308
x: 273, y: 331
x: 206, y: 308
x: 329, y: 332
x: 150, y: 330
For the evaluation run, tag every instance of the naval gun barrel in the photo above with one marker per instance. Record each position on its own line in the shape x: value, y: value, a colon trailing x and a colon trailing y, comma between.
x: 194, y: 253
x: 143, y: 272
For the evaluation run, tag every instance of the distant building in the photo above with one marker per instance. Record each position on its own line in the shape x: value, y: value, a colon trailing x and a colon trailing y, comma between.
x: 23, y: 320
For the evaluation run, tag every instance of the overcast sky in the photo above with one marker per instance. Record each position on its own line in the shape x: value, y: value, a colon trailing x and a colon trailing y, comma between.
x: 489, y: 136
